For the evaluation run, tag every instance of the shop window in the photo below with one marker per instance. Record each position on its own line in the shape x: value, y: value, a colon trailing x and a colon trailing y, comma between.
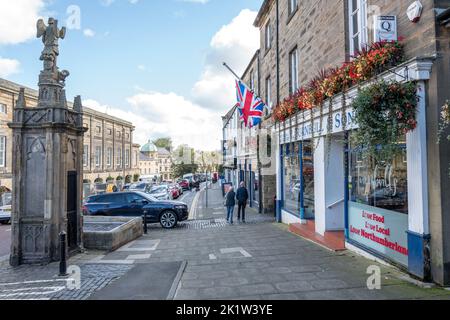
x: 308, y: 178
x: 292, y: 178
x: 382, y: 184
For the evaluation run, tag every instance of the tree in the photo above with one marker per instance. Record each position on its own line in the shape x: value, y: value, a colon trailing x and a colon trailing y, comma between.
x: 165, y: 143
x: 179, y: 170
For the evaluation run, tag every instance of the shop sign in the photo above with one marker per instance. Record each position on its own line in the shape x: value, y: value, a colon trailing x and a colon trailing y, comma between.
x: 380, y: 230
x: 306, y: 130
x: 385, y: 28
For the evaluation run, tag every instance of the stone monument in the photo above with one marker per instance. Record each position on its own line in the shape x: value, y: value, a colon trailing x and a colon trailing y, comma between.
x: 47, y: 163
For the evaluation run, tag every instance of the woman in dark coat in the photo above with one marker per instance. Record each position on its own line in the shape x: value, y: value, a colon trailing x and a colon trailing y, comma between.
x: 230, y: 203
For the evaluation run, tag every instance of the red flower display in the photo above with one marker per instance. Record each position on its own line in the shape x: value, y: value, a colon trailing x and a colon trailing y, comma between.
x: 366, y: 63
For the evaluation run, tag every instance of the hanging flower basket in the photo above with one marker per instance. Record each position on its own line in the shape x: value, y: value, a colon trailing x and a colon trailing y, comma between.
x: 385, y: 112
x: 328, y: 83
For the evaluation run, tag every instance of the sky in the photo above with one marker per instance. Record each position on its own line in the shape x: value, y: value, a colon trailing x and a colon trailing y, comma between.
x: 156, y: 63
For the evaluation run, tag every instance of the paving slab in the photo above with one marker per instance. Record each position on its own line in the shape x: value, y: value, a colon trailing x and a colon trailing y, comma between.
x: 150, y: 281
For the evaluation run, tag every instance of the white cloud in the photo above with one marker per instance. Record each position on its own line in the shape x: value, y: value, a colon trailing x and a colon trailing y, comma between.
x: 8, y: 67
x: 196, y: 1
x: 89, y: 33
x: 159, y: 115
x: 18, y: 20
x: 235, y: 44
x: 106, y: 3
x: 198, y: 122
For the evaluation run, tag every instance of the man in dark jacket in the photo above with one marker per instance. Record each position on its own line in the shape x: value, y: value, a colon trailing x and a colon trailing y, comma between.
x: 242, y: 198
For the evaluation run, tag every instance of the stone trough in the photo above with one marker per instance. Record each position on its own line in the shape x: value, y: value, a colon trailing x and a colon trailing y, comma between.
x: 110, y: 233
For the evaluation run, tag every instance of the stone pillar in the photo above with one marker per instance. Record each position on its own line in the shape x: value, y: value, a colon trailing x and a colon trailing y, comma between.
x: 47, y: 165
x: 328, y: 185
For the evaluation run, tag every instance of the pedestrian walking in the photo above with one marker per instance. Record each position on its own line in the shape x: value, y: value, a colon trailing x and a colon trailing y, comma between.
x: 230, y: 203
x: 242, y: 198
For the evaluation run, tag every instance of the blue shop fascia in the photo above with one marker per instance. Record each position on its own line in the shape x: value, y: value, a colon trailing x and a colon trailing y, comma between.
x: 381, y: 209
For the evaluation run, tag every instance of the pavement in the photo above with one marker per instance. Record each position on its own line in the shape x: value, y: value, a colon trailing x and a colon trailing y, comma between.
x: 205, y: 258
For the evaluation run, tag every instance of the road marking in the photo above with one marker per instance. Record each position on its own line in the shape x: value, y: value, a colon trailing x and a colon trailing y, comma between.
x: 233, y: 250
x: 212, y: 257
x: 193, y: 211
x: 146, y: 245
x: 218, y: 213
x: 139, y: 257
x: 99, y: 260
x: 8, y: 230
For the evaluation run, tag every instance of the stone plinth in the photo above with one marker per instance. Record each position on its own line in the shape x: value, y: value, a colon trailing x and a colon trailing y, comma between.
x: 110, y: 233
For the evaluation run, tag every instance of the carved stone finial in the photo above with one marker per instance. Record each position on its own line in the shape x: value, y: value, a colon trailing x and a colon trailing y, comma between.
x: 77, y: 105
x: 21, y: 103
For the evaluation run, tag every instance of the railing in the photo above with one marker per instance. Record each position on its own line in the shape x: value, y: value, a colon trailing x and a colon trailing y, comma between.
x: 331, y: 206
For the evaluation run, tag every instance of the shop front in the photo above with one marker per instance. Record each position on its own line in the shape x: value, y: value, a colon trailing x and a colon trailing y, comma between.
x: 379, y: 206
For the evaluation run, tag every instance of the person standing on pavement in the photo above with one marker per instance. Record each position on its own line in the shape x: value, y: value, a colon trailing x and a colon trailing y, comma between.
x: 242, y: 198
x: 230, y: 203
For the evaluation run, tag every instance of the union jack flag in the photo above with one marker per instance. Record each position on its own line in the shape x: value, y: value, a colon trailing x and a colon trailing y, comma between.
x: 250, y: 106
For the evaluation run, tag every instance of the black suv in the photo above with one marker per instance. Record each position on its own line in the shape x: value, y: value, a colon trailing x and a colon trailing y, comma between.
x: 134, y: 204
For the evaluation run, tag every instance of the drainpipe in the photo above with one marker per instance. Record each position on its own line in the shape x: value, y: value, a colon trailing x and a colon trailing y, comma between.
x: 278, y: 52
x: 280, y: 201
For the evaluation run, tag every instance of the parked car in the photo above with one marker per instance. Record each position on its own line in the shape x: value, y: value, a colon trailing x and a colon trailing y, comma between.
x: 134, y: 204
x: 5, y: 208
x: 141, y: 186
x: 184, y: 184
x: 180, y: 189
x: 174, y: 191
x: 161, y: 192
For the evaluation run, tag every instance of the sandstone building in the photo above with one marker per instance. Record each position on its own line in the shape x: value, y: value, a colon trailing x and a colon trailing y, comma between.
x: 109, y: 151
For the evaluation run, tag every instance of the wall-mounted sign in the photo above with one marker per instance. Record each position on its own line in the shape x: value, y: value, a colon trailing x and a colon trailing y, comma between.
x: 381, y: 230
x: 385, y: 28
x: 414, y: 11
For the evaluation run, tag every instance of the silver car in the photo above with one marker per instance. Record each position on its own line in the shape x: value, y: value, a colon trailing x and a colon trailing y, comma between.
x: 5, y: 208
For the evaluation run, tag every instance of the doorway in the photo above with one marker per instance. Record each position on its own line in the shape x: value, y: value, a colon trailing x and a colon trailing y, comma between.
x: 72, y: 210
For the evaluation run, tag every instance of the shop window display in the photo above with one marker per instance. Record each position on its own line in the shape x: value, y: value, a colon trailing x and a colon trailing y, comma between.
x: 292, y: 177
x: 380, y: 184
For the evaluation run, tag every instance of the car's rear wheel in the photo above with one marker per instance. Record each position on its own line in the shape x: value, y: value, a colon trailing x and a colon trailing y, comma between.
x: 168, y: 220
x: 5, y: 222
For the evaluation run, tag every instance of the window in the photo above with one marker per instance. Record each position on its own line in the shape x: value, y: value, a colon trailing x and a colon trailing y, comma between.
x: 86, y: 155
x: 109, y: 156
x: 252, y: 80
x: 383, y: 185
x: 98, y: 156
x: 299, y: 176
x: 2, y: 151
x: 268, y: 94
x: 98, y: 129
x: 357, y: 25
x: 127, y: 158
x: 292, y: 6
x: 268, y: 35
x: 110, y: 132
x: 119, y: 157
x: 3, y: 108
x: 293, y: 70
x: 292, y: 178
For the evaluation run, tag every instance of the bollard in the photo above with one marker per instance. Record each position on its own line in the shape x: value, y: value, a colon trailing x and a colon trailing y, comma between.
x: 63, y: 262
x: 145, y: 222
